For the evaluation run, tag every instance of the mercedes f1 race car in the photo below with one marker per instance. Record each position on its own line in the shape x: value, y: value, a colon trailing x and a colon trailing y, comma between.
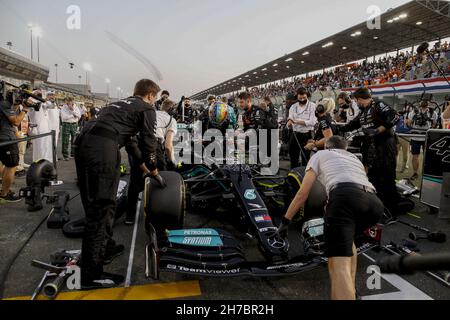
x: 255, y: 201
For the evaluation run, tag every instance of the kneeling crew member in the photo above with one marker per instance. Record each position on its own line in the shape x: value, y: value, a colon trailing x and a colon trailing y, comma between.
x: 352, y: 208
x: 379, y: 148
x: 98, y: 161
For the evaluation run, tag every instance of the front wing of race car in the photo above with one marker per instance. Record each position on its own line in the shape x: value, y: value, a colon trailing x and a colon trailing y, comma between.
x: 216, y: 253
x: 213, y: 253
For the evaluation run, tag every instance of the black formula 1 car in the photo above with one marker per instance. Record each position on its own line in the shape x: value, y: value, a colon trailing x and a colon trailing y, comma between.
x: 255, y: 201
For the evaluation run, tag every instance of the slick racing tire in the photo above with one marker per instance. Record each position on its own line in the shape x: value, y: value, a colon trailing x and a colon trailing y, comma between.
x: 315, y: 206
x: 165, y: 208
x: 75, y: 229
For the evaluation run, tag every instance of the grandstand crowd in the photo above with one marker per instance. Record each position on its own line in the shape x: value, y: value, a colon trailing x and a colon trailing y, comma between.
x: 404, y: 66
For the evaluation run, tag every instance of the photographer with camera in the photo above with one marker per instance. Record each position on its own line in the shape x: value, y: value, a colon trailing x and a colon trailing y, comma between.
x: 10, y: 119
x: 420, y: 121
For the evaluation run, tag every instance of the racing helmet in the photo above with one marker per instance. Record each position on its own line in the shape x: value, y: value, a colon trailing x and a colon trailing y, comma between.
x: 218, y: 113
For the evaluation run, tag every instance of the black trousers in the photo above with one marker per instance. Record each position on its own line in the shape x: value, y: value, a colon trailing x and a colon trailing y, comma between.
x: 297, y: 144
x: 380, y: 157
x: 97, y: 162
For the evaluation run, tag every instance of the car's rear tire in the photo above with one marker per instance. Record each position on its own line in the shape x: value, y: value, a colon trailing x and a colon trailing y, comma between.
x: 315, y: 206
x: 165, y: 208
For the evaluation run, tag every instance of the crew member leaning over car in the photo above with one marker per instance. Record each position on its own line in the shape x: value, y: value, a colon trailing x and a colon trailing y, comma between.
x: 352, y: 208
x: 97, y: 160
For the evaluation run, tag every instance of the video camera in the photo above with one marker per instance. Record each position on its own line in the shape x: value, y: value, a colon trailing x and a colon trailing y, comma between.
x: 19, y: 95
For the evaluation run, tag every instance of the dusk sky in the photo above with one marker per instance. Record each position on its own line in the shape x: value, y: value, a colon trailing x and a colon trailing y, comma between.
x: 195, y: 44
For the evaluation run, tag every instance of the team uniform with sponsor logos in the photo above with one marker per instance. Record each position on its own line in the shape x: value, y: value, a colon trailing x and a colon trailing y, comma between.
x: 97, y: 161
x: 379, y: 152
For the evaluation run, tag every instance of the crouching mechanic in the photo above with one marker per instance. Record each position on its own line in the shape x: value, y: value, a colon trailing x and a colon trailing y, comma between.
x: 345, y: 180
x: 97, y: 161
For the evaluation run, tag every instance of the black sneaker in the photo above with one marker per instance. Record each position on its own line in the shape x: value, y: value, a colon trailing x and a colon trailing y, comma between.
x: 11, y: 197
x: 113, y: 253
x: 106, y: 281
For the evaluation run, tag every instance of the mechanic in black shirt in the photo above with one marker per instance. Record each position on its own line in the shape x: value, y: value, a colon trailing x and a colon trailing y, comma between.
x: 98, y: 160
x: 324, y: 128
x: 253, y: 117
x: 184, y: 112
x: 379, y: 150
x: 164, y: 96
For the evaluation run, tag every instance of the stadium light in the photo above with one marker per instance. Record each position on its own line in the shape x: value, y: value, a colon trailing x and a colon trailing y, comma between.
x: 275, y: 65
x: 344, y: 48
x: 326, y: 45
x: 302, y: 61
x: 255, y: 72
x: 375, y: 38
x: 288, y: 67
x: 419, y: 23
x: 305, y: 53
x: 355, y: 34
x: 289, y: 59
x: 265, y: 69
x: 397, y: 18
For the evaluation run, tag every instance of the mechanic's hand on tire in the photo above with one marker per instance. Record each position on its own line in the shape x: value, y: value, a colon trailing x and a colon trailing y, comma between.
x: 157, y: 177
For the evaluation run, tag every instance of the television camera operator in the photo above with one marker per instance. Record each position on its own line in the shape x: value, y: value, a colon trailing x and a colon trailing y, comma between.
x: 420, y: 120
x: 379, y: 149
x: 14, y: 107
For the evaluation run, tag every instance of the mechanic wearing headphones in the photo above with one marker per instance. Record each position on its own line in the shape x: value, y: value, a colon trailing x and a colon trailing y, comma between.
x: 420, y: 121
x: 379, y: 148
x: 302, y: 118
x: 324, y: 128
x: 352, y: 208
x: 98, y: 160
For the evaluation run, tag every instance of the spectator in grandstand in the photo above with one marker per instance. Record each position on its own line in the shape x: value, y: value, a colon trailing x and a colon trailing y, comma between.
x: 348, y: 109
x: 420, y: 121
x: 40, y: 124
x: 324, y: 128
x: 70, y: 116
x: 302, y: 119
x: 164, y: 96
x: 9, y: 155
